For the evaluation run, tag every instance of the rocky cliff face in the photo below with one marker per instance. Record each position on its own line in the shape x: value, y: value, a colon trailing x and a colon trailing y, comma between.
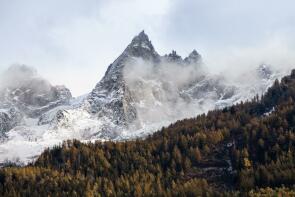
x: 9, y: 118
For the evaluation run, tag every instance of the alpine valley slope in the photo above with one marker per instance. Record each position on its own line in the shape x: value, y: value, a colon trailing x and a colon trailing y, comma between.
x: 140, y: 93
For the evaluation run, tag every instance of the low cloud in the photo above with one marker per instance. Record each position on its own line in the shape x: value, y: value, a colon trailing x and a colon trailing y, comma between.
x: 157, y: 90
x: 24, y: 77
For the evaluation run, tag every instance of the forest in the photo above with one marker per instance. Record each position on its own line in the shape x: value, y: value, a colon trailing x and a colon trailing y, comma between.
x: 244, y: 150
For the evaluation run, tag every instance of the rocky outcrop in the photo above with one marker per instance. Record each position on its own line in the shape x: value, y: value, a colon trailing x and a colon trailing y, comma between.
x: 8, y: 119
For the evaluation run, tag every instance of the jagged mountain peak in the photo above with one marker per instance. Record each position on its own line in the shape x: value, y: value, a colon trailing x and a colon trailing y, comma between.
x: 142, y: 47
x: 173, y: 57
x: 142, y: 36
x: 193, y: 58
x: 141, y: 39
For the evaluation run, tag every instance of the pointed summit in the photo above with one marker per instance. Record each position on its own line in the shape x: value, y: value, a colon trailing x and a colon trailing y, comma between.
x: 141, y: 46
x: 113, y: 83
x: 141, y: 41
x: 141, y: 37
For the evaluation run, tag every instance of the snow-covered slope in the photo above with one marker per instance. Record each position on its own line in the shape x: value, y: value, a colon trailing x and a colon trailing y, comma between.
x: 140, y: 92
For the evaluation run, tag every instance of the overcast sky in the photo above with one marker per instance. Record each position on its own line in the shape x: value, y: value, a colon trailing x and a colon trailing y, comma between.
x: 72, y: 42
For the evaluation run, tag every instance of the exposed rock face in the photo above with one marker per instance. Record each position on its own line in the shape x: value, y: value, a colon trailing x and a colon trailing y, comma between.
x: 8, y: 119
x: 210, y: 88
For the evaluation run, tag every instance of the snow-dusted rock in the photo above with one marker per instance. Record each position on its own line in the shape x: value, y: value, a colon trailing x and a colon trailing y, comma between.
x: 9, y: 118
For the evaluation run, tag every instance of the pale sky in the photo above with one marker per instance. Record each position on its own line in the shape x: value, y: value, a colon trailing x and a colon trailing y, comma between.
x: 72, y: 42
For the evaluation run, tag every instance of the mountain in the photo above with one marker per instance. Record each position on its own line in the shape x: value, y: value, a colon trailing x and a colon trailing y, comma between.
x: 140, y: 92
x: 24, y: 94
x: 247, y: 149
x: 111, y: 97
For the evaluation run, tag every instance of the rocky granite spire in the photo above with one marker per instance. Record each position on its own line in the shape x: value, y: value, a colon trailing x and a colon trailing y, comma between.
x: 141, y: 46
x: 101, y: 99
x: 141, y: 40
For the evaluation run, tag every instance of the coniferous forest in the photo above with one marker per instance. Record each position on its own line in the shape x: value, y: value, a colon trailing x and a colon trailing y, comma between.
x: 244, y: 150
